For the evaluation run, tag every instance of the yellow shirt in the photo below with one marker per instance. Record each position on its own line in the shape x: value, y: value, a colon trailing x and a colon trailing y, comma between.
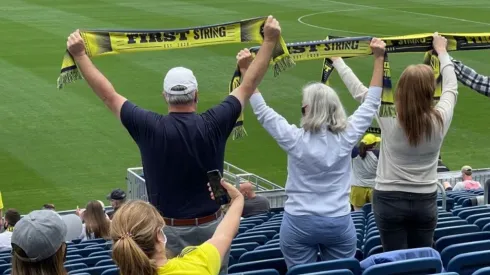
x: 1, y: 202
x: 194, y: 260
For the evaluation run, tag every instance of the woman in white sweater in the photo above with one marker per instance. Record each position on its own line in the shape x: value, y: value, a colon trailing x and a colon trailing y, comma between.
x: 404, y: 199
x: 317, y: 211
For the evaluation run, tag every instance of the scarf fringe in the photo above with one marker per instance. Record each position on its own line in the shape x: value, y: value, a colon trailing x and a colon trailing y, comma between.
x: 68, y: 77
x: 238, y: 132
x: 282, y: 63
x: 387, y: 111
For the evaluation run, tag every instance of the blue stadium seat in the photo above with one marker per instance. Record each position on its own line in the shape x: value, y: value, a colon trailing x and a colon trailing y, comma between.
x: 258, y: 272
x: 89, y: 261
x: 93, y: 270
x: 359, y: 255
x: 105, y: 262
x: 467, y: 213
x: 445, y: 215
x: 84, y: 252
x: 451, y: 223
x: 482, y: 222
x: 237, y: 252
x: 367, y: 208
x: 4, y: 267
x: 252, y: 221
x: 247, y: 225
x: 268, y: 246
x: 413, y: 267
x: 456, y: 249
x: 349, y: 264
x: 473, y: 218
x: 70, y: 267
x: 105, y: 246
x: 446, y: 241
x: 100, y: 240
x: 372, y: 233
x: 268, y: 233
x: 242, y: 229
x: 467, y: 263
x: 7, y: 272
x: 276, y: 237
x: 72, y: 257
x: 454, y: 230
x: 2, y: 262
x: 112, y: 271
x: 333, y: 272
x: 261, y: 239
x: 271, y: 226
x: 482, y: 271
x: 278, y: 264
x: 101, y: 253
x: 447, y: 219
x: 375, y: 250
x: 258, y: 255
x: 370, y: 243
x: 249, y: 246
x: 273, y: 241
x: 6, y: 258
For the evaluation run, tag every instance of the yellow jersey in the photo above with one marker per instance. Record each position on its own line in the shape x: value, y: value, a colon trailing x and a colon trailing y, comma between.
x: 194, y: 260
x: 1, y: 202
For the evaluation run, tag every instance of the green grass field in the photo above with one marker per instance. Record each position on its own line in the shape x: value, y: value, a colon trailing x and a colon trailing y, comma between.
x: 64, y: 147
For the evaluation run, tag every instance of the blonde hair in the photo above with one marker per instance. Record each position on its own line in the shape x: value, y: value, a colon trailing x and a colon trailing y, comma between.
x: 134, y: 230
x: 414, y: 103
x: 96, y: 221
x: 324, y: 109
x: 50, y: 266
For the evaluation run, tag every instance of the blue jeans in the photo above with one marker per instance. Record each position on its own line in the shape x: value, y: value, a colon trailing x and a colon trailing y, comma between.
x: 303, y: 236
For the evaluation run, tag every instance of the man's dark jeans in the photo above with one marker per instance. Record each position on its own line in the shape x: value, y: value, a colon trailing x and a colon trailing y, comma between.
x: 405, y: 220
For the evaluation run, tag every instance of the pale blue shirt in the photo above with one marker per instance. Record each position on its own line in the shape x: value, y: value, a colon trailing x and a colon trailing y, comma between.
x: 319, y: 165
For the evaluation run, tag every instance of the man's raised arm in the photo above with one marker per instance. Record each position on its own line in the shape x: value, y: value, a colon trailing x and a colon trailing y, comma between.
x: 259, y: 66
x: 95, y: 79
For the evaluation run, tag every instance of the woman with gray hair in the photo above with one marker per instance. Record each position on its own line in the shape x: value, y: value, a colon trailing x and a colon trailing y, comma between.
x: 317, y: 211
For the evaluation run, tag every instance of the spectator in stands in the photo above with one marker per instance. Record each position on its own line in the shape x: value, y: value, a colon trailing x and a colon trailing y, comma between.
x: 254, y: 204
x: 137, y: 231
x: 38, y: 243
x: 12, y: 216
x: 440, y: 166
x: 468, y: 183
x: 179, y: 149
x: 117, y: 198
x: 405, y: 195
x: 96, y: 223
x: 317, y: 210
x: 471, y: 78
x: 364, y: 165
x: 49, y: 206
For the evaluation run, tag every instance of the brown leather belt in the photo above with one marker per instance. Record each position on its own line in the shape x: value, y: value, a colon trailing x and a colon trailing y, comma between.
x: 192, y: 222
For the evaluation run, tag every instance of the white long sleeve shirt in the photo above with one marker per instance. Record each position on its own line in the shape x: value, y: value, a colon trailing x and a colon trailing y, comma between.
x: 319, y: 165
x: 403, y: 167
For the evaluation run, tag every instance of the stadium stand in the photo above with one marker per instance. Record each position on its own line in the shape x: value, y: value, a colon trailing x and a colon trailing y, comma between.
x: 461, y: 240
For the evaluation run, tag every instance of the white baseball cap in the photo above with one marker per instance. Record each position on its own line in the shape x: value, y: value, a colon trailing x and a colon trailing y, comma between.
x: 179, y: 81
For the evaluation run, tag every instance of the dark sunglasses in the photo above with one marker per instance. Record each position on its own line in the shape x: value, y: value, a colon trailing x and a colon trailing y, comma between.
x: 303, y: 109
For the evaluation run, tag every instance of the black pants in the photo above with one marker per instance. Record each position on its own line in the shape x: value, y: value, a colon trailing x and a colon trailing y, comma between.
x: 405, y: 220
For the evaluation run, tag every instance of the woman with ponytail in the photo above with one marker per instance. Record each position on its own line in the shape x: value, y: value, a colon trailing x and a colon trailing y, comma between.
x: 364, y: 165
x: 137, y: 230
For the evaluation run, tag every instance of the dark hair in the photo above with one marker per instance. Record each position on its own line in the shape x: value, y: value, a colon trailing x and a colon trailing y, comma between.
x: 12, y: 216
x: 49, y: 206
x: 363, y: 148
x: 50, y: 266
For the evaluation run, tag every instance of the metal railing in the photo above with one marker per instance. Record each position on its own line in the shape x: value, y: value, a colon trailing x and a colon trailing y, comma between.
x: 233, y: 174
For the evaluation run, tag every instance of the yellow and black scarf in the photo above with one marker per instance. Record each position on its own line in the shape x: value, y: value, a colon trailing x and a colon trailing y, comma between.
x: 106, y: 42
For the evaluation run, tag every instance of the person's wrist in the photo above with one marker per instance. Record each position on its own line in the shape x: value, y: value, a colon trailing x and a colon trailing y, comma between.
x: 441, y: 50
x: 270, y: 40
x: 80, y: 55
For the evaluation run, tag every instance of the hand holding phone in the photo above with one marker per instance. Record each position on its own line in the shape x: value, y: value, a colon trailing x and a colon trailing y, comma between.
x: 219, y: 192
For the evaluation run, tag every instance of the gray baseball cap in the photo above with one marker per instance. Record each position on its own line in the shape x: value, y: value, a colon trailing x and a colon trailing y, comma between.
x: 42, y: 232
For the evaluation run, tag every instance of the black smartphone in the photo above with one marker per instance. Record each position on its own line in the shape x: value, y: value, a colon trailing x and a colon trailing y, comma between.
x: 220, y: 195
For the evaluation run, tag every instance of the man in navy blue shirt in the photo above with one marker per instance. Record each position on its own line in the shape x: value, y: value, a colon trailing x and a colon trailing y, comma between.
x: 178, y: 149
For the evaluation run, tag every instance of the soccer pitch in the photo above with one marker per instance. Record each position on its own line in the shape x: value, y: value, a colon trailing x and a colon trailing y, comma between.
x: 64, y: 147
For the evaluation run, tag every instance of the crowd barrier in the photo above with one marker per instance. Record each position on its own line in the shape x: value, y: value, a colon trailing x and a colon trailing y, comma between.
x: 276, y: 194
